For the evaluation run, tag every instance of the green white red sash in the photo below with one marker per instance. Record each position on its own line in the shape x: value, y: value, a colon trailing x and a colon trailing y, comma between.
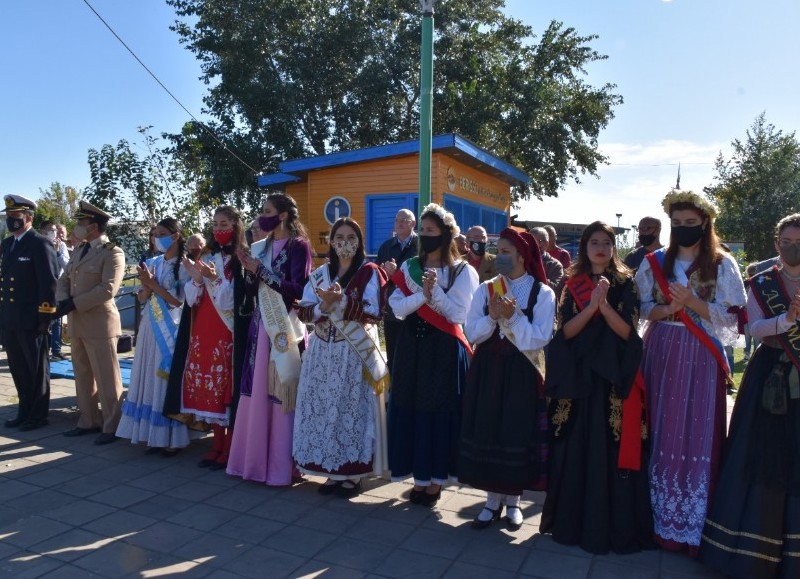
x: 774, y: 300
x: 284, y: 330
x: 499, y: 286
x: 375, y: 370
x: 580, y: 288
x: 413, y: 285
x: 689, y: 317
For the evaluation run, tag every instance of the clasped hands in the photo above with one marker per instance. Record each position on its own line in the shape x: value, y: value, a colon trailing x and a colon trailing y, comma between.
x: 198, y: 270
x: 598, y: 301
x: 428, y: 283
x: 793, y: 314
x: 502, y: 307
x: 329, y: 298
x: 248, y: 262
x: 680, y: 297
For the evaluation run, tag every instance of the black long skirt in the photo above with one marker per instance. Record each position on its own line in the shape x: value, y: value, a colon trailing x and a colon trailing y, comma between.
x: 504, y: 429
x: 428, y: 375
x: 753, y: 526
x: 590, y: 502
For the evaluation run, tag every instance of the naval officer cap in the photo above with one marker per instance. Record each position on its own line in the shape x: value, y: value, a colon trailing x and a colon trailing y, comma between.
x: 18, y: 203
x: 88, y: 211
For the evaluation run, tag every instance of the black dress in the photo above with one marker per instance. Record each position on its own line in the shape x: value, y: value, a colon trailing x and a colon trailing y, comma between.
x: 504, y: 431
x: 590, y: 501
x: 753, y: 526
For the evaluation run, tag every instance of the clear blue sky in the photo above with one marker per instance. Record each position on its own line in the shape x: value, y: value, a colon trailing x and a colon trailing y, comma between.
x: 694, y: 75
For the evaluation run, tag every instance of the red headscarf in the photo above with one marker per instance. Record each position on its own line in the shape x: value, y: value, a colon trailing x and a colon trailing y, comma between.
x: 528, y: 248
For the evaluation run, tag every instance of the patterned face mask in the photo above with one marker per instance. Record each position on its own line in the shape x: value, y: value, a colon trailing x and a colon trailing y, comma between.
x: 345, y: 249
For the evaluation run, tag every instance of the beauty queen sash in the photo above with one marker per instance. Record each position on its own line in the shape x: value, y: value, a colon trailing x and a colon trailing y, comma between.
x: 580, y: 288
x: 499, y: 286
x: 284, y: 330
x: 774, y: 300
x: 437, y: 320
x: 689, y: 317
x: 375, y: 370
x: 213, y: 288
x: 164, y: 327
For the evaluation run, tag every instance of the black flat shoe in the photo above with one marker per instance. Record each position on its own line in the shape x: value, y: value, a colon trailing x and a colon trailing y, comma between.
x: 32, y: 424
x: 206, y: 462
x: 82, y: 431
x: 169, y: 452
x: 153, y: 450
x: 13, y: 422
x: 348, y: 492
x: 329, y: 489
x: 512, y: 525
x: 481, y: 524
x: 427, y: 499
x: 105, y: 438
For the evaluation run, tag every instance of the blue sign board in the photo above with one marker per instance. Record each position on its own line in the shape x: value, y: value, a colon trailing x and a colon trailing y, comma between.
x: 335, y: 208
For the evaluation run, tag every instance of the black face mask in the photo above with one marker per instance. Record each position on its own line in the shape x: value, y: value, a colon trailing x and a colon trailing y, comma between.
x: 647, y: 239
x: 687, y: 236
x: 14, y: 224
x: 430, y: 242
x: 790, y: 255
x: 478, y: 248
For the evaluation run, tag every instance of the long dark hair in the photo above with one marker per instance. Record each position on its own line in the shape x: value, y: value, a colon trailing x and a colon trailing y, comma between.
x: 582, y: 263
x: 235, y: 217
x: 286, y: 203
x: 710, y: 251
x: 358, y: 258
x: 173, y: 226
x: 449, y: 254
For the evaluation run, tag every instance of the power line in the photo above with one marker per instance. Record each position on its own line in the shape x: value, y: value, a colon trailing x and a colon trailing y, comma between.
x: 180, y: 104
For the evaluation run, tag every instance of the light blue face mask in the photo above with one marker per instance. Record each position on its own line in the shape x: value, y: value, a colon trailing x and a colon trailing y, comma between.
x: 504, y: 264
x: 163, y: 243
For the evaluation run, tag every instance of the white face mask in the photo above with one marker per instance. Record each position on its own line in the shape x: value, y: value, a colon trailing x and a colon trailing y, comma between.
x: 345, y: 249
x: 80, y: 232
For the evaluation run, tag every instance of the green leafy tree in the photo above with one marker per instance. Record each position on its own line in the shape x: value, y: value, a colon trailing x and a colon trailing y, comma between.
x: 139, y: 189
x: 292, y: 78
x: 757, y: 186
x: 57, y: 203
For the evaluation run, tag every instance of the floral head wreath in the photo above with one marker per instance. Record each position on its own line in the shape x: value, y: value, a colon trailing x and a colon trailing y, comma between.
x: 447, y: 217
x: 700, y: 202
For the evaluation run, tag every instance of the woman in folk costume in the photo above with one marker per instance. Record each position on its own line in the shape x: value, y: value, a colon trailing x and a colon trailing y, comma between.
x: 162, y: 278
x: 278, y: 269
x: 202, y: 387
x: 690, y: 292
x: 432, y: 297
x: 753, y: 524
x: 597, y: 494
x: 340, y: 425
x: 504, y: 431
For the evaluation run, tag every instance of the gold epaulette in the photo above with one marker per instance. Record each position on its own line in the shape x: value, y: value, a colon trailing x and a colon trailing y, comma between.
x: 47, y: 308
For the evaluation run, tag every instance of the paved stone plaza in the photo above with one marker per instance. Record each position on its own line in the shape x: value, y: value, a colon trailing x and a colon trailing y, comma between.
x: 69, y: 508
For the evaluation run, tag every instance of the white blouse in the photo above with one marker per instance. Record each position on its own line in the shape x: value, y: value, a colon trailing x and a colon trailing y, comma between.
x: 453, y: 305
x: 220, y: 290
x: 729, y: 292
x: 370, y: 300
x: 529, y: 336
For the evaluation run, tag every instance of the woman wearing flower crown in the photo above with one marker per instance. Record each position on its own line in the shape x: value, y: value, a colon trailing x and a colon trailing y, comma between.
x: 753, y: 525
x: 690, y: 292
x: 433, y: 295
x: 277, y: 270
x: 162, y: 278
x: 203, y: 380
x: 340, y: 426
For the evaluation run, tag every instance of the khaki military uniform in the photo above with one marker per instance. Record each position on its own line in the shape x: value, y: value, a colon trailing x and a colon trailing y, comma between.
x: 92, y: 279
x: 485, y: 269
